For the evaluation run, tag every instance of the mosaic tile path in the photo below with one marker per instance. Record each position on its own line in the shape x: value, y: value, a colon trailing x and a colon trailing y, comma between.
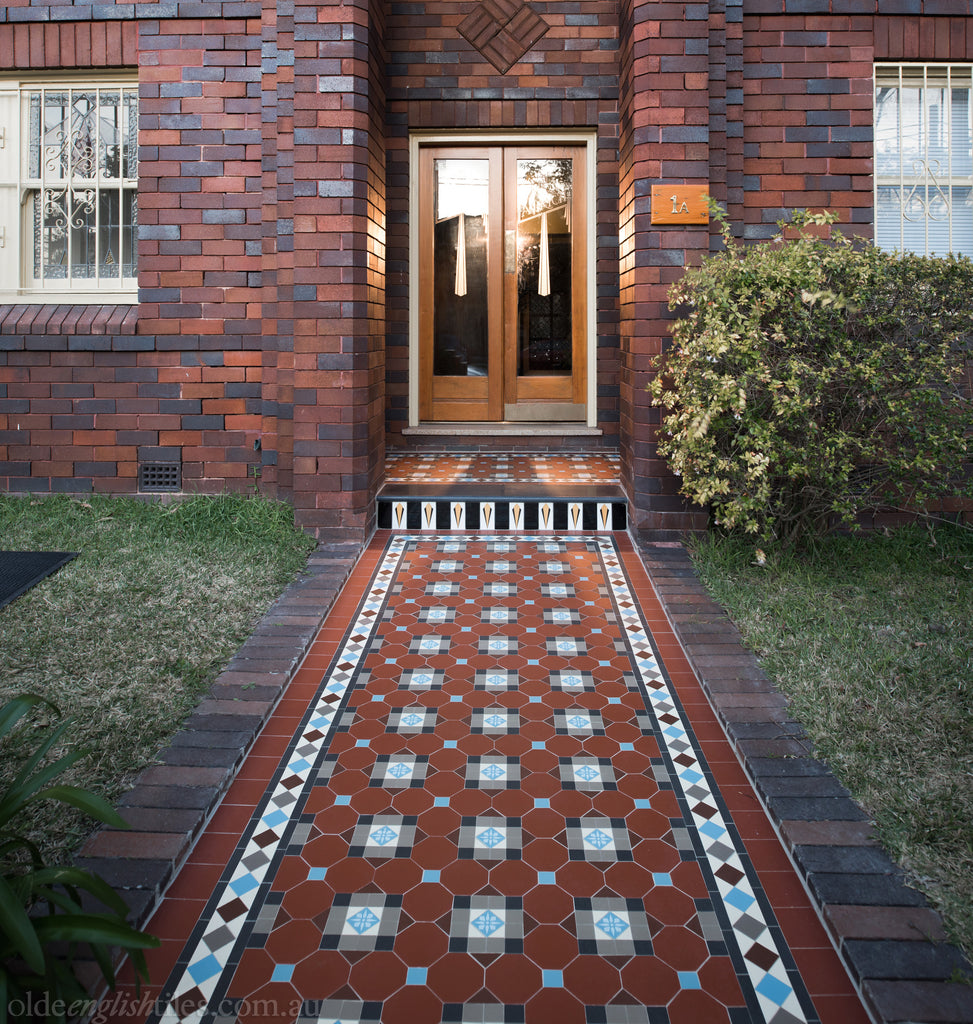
x: 485, y: 798
x: 502, y: 468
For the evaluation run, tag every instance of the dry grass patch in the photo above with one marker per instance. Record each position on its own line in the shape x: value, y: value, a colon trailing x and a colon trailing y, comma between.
x: 128, y: 636
x: 871, y: 638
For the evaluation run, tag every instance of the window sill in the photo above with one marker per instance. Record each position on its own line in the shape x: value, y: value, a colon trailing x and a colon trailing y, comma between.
x: 68, y: 318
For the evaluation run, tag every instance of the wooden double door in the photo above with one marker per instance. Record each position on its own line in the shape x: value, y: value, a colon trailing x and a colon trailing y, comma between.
x: 502, y: 283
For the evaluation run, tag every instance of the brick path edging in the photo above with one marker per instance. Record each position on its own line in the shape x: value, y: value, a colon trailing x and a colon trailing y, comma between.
x: 892, y: 941
x: 171, y: 801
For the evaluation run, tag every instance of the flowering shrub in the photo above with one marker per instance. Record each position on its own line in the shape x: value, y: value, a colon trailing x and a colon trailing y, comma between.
x: 811, y: 380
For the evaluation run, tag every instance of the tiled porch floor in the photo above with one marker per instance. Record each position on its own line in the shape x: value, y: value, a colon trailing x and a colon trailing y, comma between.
x: 563, y: 468
x: 494, y: 791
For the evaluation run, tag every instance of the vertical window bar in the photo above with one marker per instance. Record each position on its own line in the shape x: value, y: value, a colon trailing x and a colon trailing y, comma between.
x: 94, y: 255
x: 924, y: 135
x: 901, y: 136
x: 947, y: 114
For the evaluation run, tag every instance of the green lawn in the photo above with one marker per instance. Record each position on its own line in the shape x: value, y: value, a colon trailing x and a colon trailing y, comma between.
x: 871, y: 638
x: 128, y: 636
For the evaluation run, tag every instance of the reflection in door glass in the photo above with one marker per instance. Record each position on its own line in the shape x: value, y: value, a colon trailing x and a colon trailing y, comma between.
x: 544, y: 336
x: 462, y: 190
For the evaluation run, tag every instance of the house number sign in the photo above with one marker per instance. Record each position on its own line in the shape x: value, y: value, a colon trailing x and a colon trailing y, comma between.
x: 679, y: 204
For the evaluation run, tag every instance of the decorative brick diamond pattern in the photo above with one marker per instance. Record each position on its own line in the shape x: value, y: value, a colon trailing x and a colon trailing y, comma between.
x: 566, y: 646
x: 421, y: 679
x: 502, y: 31
x: 498, y: 614
x: 429, y: 645
x: 437, y: 614
x: 572, y: 680
x: 547, y: 844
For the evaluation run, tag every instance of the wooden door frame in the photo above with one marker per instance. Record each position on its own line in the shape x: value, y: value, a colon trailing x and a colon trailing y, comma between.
x: 588, y: 139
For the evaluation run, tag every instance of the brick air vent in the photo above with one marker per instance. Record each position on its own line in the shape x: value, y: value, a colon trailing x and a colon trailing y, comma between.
x: 160, y: 476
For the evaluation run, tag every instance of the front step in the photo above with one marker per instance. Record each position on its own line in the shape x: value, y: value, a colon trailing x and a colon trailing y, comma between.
x: 509, y: 492
x: 508, y: 515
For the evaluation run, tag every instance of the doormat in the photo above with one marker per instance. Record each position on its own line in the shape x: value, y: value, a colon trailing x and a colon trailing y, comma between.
x: 20, y: 570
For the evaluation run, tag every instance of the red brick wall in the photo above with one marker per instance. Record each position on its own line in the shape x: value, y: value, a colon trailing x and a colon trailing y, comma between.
x: 200, y: 230
x: 665, y: 106
x: 807, y: 119
x: 338, y: 264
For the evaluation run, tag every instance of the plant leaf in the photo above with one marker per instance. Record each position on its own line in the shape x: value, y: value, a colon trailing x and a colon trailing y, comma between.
x: 93, y: 928
x: 19, y: 928
x: 78, y: 877
x: 93, y: 805
x: 17, y: 707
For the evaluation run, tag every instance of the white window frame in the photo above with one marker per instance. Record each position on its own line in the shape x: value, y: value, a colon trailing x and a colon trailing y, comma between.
x: 925, y: 185
x: 18, y: 186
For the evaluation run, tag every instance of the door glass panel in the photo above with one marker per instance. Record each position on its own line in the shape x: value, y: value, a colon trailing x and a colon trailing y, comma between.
x: 544, y: 336
x: 460, y: 339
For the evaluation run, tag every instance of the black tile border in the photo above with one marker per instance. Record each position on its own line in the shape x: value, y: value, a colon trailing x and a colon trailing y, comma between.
x: 890, y: 939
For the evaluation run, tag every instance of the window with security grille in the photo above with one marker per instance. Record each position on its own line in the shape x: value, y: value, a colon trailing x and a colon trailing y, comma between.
x: 924, y: 158
x: 69, y: 190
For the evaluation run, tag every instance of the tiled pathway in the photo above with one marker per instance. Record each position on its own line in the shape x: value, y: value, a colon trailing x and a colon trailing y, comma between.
x: 484, y: 797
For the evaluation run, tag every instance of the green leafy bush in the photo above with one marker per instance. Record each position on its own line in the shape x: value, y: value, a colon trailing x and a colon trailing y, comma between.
x: 813, y: 380
x: 45, y: 919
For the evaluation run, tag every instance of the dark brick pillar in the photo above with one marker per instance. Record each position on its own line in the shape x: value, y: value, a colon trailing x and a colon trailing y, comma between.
x: 277, y: 243
x: 337, y: 315
x: 665, y: 116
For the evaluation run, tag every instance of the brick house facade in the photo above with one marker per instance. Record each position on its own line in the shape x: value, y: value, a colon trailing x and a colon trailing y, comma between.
x: 272, y: 334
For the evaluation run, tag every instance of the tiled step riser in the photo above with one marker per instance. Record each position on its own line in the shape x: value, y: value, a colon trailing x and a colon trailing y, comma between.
x: 565, y: 516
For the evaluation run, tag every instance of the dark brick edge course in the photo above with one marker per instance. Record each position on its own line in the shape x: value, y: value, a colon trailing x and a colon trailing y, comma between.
x: 891, y: 940
x: 172, y: 800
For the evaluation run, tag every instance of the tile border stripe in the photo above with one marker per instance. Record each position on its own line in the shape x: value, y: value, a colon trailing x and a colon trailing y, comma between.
x: 576, y: 516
